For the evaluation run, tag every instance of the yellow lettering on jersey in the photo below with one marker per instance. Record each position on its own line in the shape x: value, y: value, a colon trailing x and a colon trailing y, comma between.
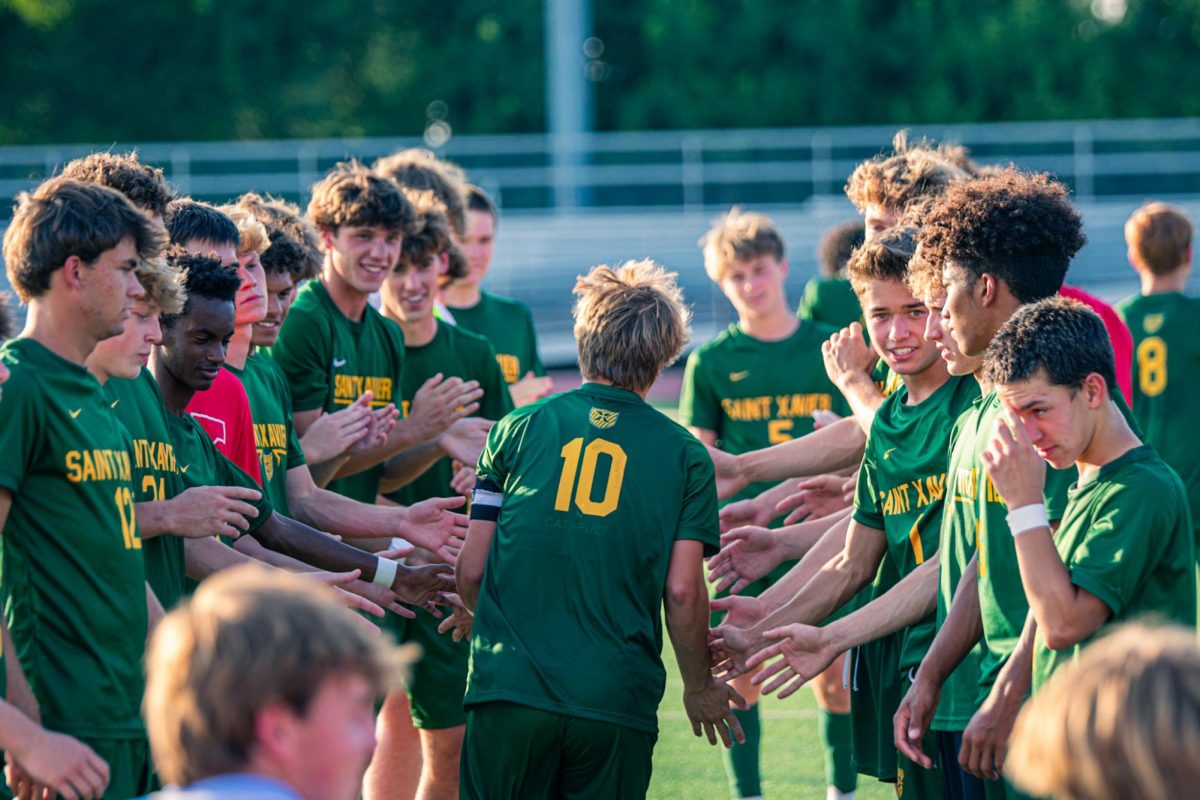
x: 511, y: 367
x: 348, y: 388
x: 156, y: 456
x: 993, y: 496
x: 899, y: 499
x: 269, y: 436
x: 747, y: 409
x: 965, y: 485
x: 97, y: 465
x: 801, y: 405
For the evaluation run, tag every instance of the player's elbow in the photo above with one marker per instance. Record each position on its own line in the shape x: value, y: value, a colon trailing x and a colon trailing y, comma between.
x: 468, y: 578
x: 1061, y: 634
x: 682, y: 594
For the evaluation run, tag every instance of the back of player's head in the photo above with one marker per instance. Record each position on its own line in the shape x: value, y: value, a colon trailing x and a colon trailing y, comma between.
x: 294, y: 246
x: 913, y: 170
x: 479, y: 200
x: 884, y: 258
x: 63, y: 218
x: 352, y: 195
x: 203, y: 276
x: 739, y: 236
x: 143, y: 184
x: 431, y: 235
x: 630, y: 323
x: 190, y: 220
x: 1017, y: 226
x: 1062, y: 338
x: 1160, y: 235
x: 836, y: 246
x: 164, y: 284
x: 418, y: 168
x: 1122, y: 721
x: 249, y: 639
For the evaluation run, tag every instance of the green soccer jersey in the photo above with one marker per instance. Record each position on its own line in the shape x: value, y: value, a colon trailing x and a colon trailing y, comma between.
x: 597, y: 487
x: 71, y: 564
x: 201, y: 464
x: 139, y: 406
x: 1126, y: 538
x: 508, y: 327
x: 329, y: 361
x: 754, y: 393
x: 453, y: 352
x: 901, y: 485
x: 831, y: 301
x: 274, y: 435
x: 1166, y: 337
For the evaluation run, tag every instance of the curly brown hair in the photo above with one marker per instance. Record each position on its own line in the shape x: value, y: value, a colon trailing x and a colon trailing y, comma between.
x: 143, y: 184
x: 418, y: 168
x: 432, y: 236
x: 1018, y: 226
x: 353, y: 195
x: 913, y: 170
x: 836, y: 246
x: 295, y: 247
x: 884, y: 258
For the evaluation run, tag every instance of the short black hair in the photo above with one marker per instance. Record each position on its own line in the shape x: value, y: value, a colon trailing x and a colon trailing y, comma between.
x: 836, y: 246
x: 189, y: 220
x: 203, y: 276
x: 1062, y: 337
x: 1018, y: 226
x: 479, y: 200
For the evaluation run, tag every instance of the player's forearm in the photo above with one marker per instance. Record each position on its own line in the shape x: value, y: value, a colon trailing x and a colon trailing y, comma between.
x: 295, y: 539
x: 829, y: 449
x: 407, y: 434
x: 208, y: 556
x: 863, y: 397
x: 406, y: 467
x: 1016, y: 676
x: 329, y: 511
x: 959, y: 633
x: 686, y: 612
x: 1054, y: 601
x: 766, y: 501
x: 832, y: 586
x: 325, y: 472
x: 908, y: 602
x: 17, y: 691
x: 154, y: 518
x: 17, y: 731
x: 799, y: 539
x: 828, y: 546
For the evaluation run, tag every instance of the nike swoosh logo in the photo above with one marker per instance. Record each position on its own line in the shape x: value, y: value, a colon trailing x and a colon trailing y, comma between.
x: 75, y: 413
x: 737, y: 376
x: 887, y: 453
x: 114, y: 403
x: 183, y: 470
x: 338, y: 363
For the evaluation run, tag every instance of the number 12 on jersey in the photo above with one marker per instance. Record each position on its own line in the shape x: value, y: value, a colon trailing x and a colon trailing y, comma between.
x: 586, y: 472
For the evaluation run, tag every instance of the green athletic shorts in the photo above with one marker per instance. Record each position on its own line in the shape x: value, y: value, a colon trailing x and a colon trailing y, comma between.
x: 515, y: 752
x: 874, y: 682
x: 130, y: 773
x: 913, y: 780
x: 439, y: 680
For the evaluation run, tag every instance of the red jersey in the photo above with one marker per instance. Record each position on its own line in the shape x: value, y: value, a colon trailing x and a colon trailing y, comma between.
x: 223, y: 410
x: 1118, y: 334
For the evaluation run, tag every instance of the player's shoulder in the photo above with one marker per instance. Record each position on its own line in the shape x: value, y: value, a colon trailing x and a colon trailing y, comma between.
x: 507, y: 304
x: 814, y: 329
x: 466, y: 342
x: 725, y: 341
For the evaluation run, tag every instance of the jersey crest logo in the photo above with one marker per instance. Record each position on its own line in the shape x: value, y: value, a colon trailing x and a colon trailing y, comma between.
x: 602, y: 418
x: 1152, y: 323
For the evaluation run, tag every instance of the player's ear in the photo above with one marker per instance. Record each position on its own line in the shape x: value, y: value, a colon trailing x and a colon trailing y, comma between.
x: 1095, y: 390
x: 326, y: 237
x: 72, y: 272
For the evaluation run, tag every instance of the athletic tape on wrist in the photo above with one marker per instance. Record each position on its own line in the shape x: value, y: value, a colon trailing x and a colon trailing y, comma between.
x: 385, y: 572
x: 1027, y: 518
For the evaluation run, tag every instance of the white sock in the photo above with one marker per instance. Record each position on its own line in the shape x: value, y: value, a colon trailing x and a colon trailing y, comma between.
x: 832, y: 793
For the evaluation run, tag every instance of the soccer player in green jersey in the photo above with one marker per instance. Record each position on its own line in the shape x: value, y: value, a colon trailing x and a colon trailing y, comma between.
x: 591, y: 512
x: 829, y: 298
x: 737, y: 395
x: 420, y: 735
x: 142, y: 184
x: 76, y: 600
x: 334, y: 345
x: 1125, y: 547
x: 1000, y: 241
x: 1165, y: 324
x: 506, y: 323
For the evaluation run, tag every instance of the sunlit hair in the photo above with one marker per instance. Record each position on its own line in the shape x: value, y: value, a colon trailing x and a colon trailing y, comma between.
x: 737, y: 237
x: 163, y: 283
x: 884, y: 258
x: 431, y: 235
x: 1161, y: 236
x: 352, y: 195
x: 836, y: 246
x: 1018, y: 226
x: 63, y: 218
x: 1061, y: 337
x: 630, y: 323
x: 418, y: 168
x: 913, y: 170
x: 295, y: 246
x: 1122, y: 721
x: 142, y: 184
x: 252, y: 234
x: 923, y: 278
x: 248, y: 639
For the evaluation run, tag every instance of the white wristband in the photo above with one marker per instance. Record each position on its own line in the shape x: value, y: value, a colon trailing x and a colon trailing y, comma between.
x: 398, y: 542
x: 385, y: 572
x: 1026, y: 518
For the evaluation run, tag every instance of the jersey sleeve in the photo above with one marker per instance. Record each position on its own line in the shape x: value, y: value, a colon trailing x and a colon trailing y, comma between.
x: 494, y: 461
x: 303, y: 353
x: 230, y: 474
x: 19, y: 423
x: 699, y: 406
x: 866, y: 504
x: 1058, y: 481
x: 698, y: 517
x: 808, y: 301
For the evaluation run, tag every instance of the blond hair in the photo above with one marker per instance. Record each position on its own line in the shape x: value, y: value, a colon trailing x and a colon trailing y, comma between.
x: 739, y: 236
x: 295, y: 247
x: 914, y: 170
x: 1161, y: 235
x: 163, y: 284
x: 249, y: 638
x: 252, y: 234
x: 1122, y: 721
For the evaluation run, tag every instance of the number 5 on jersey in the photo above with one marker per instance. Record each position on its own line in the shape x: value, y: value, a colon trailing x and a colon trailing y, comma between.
x: 586, y: 473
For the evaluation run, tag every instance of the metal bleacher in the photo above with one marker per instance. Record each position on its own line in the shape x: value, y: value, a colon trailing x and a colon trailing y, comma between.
x: 652, y: 194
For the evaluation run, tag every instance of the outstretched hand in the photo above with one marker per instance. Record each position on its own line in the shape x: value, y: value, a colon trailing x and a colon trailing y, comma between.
x: 817, y: 497
x: 746, y: 555
x: 804, y: 653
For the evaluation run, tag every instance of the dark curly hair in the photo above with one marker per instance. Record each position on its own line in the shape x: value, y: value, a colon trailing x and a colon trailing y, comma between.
x: 884, y: 258
x: 294, y: 244
x: 418, y: 168
x: 353, y: 195
x: 1062, y: 337
x: 203, y: 276
x: 1018, y: 226
x: 432, y: 236
x: 143, y: 184
x: 836, y: 246
x: 189, y: 220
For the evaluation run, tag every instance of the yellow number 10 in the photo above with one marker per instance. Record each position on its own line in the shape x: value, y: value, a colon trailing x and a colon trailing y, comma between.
x: 587, y: 476
x: 1152, y: 366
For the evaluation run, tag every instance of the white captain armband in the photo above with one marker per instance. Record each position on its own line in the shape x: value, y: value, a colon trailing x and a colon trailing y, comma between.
x: 486, y: 498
